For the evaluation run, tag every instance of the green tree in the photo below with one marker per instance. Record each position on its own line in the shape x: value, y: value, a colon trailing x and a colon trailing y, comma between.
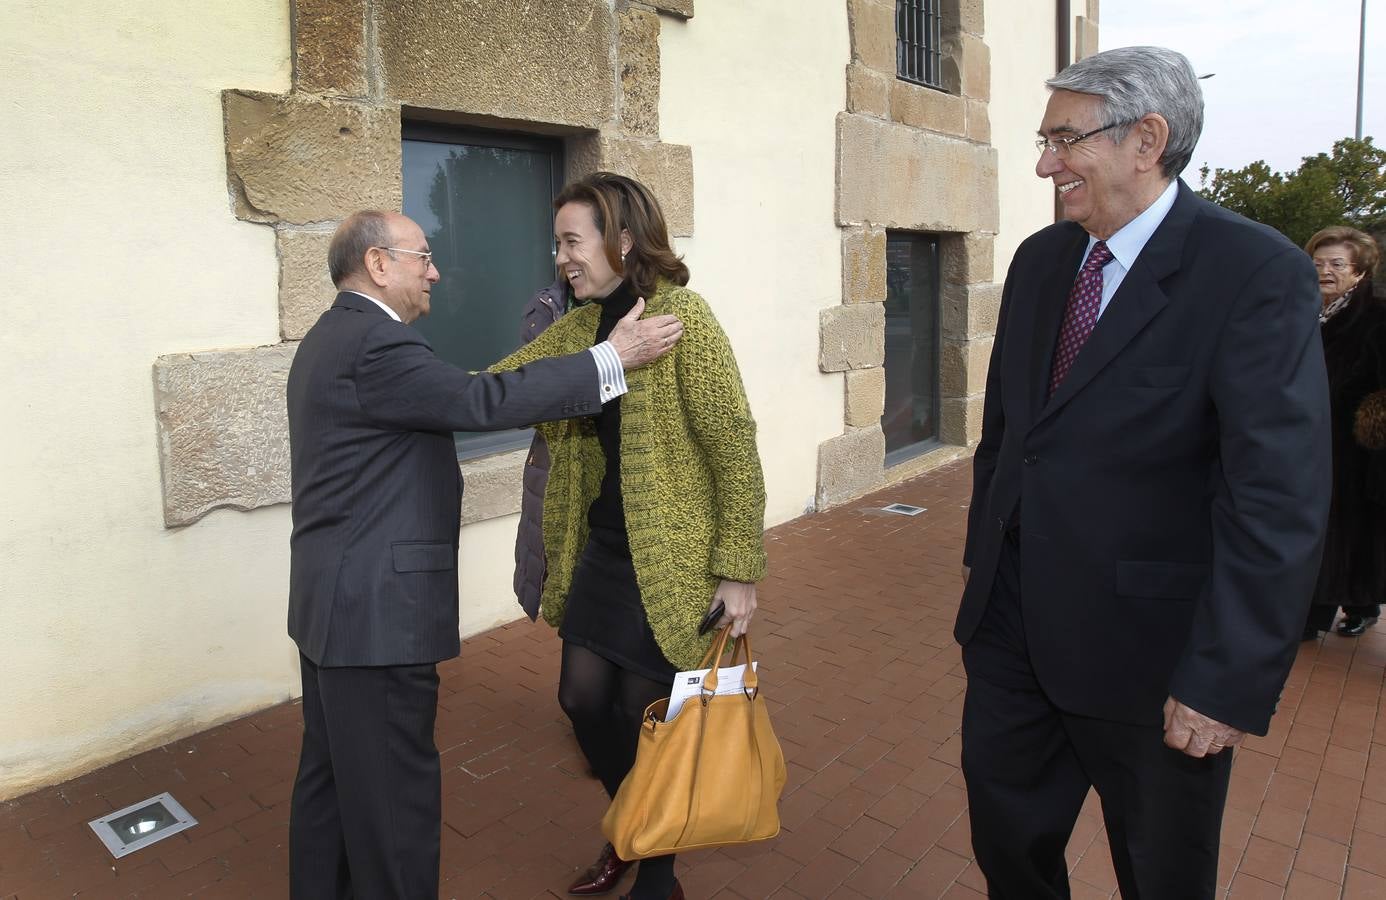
x: 1347, y: 187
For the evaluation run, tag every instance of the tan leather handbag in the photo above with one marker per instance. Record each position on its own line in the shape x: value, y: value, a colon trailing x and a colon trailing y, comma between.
x: 709, y: 778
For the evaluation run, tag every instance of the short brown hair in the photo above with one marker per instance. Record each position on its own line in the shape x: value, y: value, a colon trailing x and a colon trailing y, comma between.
x: 623, y: 204
x: 359, y: 232
x: 1365, y: 252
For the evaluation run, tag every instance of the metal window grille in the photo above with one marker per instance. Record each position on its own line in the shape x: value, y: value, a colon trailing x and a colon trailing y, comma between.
x: 918, y: 55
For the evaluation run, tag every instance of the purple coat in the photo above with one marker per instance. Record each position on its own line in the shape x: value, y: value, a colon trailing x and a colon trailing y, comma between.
x: 543, y: 309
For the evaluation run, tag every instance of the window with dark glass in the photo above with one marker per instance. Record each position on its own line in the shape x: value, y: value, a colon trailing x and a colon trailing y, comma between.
x: 485, y: 202
x: 910, y: 421
x: 918, y: 51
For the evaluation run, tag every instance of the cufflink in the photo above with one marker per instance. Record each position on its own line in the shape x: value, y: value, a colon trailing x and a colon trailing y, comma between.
x: 606, y: 389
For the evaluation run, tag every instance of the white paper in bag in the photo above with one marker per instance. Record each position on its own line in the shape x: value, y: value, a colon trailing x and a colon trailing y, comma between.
x: 731, y: 680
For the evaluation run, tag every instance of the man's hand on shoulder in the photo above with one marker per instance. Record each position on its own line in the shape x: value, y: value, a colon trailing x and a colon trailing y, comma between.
x: 641, y: 341
x: 1191, y: 732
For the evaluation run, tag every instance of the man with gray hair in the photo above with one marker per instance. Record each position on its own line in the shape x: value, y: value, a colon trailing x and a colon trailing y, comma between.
x: 1149, y: 499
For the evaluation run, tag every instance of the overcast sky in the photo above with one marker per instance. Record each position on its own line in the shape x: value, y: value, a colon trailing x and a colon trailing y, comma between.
x: 1285, y: 83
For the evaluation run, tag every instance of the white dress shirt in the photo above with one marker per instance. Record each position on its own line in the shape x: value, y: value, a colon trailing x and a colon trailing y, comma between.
x: 611, y: 375
x: 1129, y: 241
x: 389, y: 312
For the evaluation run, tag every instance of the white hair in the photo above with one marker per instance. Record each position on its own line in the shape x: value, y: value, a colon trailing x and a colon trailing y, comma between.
x: 1136, y: 81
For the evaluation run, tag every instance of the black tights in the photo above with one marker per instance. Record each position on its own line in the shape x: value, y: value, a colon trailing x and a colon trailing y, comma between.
x: 605, y: 704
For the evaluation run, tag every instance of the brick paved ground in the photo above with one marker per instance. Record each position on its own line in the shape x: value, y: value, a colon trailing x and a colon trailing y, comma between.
x: 865, y: 687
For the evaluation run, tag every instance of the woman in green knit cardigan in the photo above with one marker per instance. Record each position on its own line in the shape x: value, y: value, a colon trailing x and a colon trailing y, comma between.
x: 654, y: 508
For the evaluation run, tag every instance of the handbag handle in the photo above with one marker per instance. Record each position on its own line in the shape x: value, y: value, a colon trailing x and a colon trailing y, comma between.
x: 750, y: 681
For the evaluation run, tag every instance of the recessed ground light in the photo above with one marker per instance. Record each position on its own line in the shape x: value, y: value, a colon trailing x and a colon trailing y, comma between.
x: 903, y: 509
x: 141, y: 824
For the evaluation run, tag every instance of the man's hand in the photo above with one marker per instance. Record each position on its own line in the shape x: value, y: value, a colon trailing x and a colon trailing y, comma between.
x: 640, y: 341
x: 739, y: 604
x: 1194, y: 734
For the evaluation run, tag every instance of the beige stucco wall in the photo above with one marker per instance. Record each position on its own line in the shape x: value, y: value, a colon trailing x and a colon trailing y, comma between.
x: 1021, y: 36
x: 754, y: 89
x: 120, y: 247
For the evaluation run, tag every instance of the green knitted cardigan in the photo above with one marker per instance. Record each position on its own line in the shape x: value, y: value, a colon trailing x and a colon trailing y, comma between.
x: 691, y: 480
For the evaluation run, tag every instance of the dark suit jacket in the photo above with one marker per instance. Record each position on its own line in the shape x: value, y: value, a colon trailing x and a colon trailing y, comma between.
x: 1172, y: 495
x: 376, y: 489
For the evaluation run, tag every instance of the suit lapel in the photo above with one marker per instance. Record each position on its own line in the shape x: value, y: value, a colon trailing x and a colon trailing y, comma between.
x: 1051, y: 300
x: 1138, y: 300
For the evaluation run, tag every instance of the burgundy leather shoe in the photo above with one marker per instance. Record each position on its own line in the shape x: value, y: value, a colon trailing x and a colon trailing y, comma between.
x: 676, y: 895
x: 602, y: 876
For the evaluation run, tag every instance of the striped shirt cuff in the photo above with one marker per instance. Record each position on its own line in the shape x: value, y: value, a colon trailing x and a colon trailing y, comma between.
x: 610, y: 371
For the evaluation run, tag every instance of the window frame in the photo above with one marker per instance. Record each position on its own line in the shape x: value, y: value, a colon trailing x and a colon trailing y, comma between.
x: 935, y: 292
x: 919, y: 42
x: 479, y: 445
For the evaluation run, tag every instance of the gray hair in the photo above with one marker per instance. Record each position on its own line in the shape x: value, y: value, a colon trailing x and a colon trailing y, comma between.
x: 1136, y: 81
x: 358, y: 233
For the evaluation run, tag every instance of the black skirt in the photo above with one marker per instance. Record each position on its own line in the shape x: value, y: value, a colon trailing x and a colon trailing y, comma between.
x: 604, y: 612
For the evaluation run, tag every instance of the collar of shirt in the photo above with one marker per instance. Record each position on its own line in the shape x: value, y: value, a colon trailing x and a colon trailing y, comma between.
x: 389, y: 312
x: 1130, y: 240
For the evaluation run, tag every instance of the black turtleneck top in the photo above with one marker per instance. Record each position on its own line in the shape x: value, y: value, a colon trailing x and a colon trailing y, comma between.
x: 606, y: 516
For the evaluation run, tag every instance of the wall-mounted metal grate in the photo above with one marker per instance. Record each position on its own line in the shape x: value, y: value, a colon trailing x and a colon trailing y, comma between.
x: 918, y: 55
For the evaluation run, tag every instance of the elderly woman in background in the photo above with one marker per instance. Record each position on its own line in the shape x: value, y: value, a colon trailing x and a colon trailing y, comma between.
x: 1353, y: 324
x: 654, y: 509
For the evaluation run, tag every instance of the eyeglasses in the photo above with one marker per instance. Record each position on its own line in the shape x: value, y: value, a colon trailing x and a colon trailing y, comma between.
x: 427, y: 257
x: 1337, y: 265
x: 1060, y: 146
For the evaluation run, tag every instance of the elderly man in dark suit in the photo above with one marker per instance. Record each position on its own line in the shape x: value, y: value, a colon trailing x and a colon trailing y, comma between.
x: 1150, y: 494
x: 373, y: 572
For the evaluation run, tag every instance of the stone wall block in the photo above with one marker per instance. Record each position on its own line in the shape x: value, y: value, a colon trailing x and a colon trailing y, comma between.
x: 667, y: 169
x: 922, y: 107
x: 901, y: 177
x: 1095, y: 10
x: 300, y: 159
x: 492, y: 485
x: 851, y: 337
x: 968, y: 258
x: 974, y: 58
x: 849, y: 465
x: 305, y: 288
x: 871, y: 25
x: 952, y: 317
x: 969, y: 311
x: 865, y: 396
x: 960, y: 421
x: 963, y: 367
x: 863, y: 265
x: 978, y: 121
x: 535, y: 62
x: 868, y: 91
x: 638, y: 57
x: 963, y: 15
x: 223, y: 430
x: 983, y: 308
x: 329, y: 46
x: 681, y: 8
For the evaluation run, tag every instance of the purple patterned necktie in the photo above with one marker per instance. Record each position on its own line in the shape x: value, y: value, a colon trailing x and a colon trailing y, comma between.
x: 1084, y: 302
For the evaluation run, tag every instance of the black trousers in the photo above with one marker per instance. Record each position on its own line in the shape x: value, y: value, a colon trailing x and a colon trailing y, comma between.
x: 366, y: 815
x: 1029, y: 765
